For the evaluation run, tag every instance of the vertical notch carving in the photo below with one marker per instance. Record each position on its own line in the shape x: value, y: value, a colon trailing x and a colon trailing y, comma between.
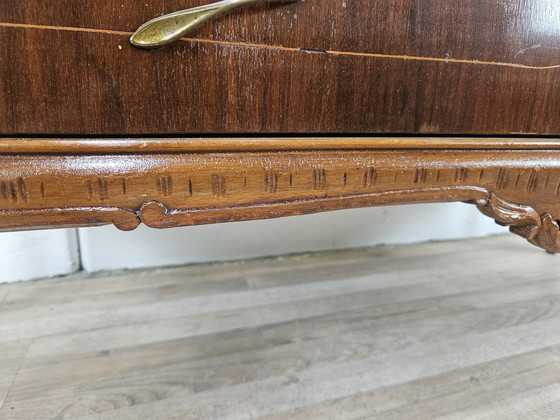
x: 502, y: 180
x: 532, y: 182
x: 270, y: 181
x: 461, y: 175
x: 14, y: 190
x: 100, y: 187
x: 23, y: 189
x: 319, y: 179
x: 420, y: 175
x: 190, y: 187
x: 103, y: 189
x: 164, y: 186
x: 369, y: 177
x: 218, y: 185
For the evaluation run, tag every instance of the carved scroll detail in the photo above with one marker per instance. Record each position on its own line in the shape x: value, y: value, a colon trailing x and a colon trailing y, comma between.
x: 185, y: 189
x: 525, y: 221
x: 542, y: 231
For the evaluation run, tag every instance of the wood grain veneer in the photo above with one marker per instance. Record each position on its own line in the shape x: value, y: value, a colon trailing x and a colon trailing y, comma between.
x: 460, y: 30
x: 400, y: 67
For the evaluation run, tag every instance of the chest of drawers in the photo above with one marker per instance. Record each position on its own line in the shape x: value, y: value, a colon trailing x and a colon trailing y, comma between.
x: 278, y: 109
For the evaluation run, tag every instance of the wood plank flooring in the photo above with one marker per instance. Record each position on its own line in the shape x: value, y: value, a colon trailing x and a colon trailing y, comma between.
x: 456, y: 330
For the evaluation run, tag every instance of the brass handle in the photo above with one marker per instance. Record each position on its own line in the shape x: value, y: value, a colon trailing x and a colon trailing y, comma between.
x: 169, y: 28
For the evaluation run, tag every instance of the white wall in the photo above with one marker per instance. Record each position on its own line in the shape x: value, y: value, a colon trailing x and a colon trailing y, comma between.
x: 106, y: 248
x: 29, y: 255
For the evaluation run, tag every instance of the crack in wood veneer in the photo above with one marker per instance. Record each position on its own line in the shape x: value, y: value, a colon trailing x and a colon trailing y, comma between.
x: 295, y: 49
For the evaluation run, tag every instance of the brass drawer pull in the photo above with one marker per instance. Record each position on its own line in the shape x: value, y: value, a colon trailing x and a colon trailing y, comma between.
x: 169, y: 28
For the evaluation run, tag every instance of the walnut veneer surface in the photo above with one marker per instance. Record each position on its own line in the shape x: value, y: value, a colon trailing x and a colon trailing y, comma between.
x: 94, y: 131
x: 314, y: 66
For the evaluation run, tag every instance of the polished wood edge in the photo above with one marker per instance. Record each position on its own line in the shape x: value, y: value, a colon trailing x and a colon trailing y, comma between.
x: 203, y: 145
x: 519, y: 189
x: 67, y: 217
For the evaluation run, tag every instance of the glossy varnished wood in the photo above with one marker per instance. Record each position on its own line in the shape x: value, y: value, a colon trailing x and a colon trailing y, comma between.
x: 80, y: 146
x: 456, y: 330
x: 401, y: 67
x: 398, y: 27
x: 92, y: 182
x: 471, y: 67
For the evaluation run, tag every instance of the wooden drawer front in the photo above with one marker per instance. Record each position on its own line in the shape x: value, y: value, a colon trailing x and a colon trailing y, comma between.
x: 315, y: 66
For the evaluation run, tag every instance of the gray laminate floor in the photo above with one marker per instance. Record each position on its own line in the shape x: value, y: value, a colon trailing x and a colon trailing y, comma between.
x: 460, y: 330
